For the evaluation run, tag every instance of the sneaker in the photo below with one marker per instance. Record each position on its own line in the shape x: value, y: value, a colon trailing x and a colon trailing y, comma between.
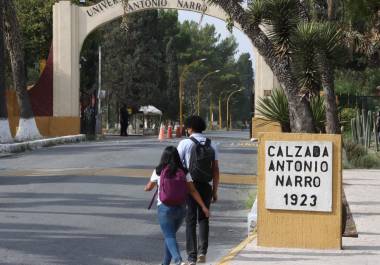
x: 201, y: 258
x: 190, y: 263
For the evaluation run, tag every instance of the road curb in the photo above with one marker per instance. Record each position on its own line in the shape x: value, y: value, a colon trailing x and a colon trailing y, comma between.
x: 32, y: 145
x: 236, y: 250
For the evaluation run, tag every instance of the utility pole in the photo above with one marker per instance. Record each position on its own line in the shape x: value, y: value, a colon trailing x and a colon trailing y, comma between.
x: 99, y: 112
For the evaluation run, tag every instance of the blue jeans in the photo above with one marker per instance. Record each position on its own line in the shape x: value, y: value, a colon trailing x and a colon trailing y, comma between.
x: 171, y: 219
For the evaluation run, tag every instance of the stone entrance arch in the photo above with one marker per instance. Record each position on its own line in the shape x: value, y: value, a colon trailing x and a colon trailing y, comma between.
x: 72, y: 24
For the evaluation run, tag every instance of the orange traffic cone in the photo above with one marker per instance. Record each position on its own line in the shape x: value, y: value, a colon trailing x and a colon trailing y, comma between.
x: 170, y: 132
x: 177, y: 131
x: 161, y: 136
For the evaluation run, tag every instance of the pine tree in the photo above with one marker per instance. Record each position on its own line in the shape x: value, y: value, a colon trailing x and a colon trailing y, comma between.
x: 173, y: 80
x: 143, y: 53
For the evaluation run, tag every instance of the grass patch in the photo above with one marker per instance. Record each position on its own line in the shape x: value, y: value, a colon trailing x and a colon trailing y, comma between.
x: 251, y: 199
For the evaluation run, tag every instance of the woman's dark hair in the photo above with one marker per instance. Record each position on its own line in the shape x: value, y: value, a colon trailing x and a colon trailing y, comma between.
x: 170, y: 158
x: 196, y: 123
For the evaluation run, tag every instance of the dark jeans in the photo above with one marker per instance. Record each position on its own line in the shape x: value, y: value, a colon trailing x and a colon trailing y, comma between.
x: 171, y: 219
x: 123, y: 129
x: 194, y: 214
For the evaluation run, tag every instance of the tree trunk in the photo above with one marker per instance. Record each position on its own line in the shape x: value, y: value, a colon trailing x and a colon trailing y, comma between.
x: 327, y: 77
x: 5, y: 132
x: 330, y: 10
x: 301, y: 118
x: 27, y: 126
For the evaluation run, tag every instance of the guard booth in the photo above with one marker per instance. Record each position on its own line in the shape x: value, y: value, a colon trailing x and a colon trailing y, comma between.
x: 146, y: 121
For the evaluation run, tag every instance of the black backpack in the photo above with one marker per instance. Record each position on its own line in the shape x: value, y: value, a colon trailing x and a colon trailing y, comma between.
x: 201, y: 161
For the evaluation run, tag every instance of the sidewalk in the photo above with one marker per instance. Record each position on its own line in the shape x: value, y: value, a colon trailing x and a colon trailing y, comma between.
x: 362, y: 188
x: 6, y: 149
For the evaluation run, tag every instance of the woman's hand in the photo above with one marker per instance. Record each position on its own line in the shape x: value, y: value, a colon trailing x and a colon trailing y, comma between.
x: 150, y: 186
x: 206, y: 212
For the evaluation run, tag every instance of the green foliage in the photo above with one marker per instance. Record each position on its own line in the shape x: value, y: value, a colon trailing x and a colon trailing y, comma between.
x: 282, y: 16
x: 35, y: 18
x: 363, y: 127
x: 275, y: 108
x: 354, y: 151
x: 173, y: 80
x: 345, y: 116
x: 363, y: 83
x: 359, y: 158
x: 205, y: 42
x: 318, y: 109
x: 145, y: 69
x: 305, y: 67
x: 242, y: 103
x: 251, y: 199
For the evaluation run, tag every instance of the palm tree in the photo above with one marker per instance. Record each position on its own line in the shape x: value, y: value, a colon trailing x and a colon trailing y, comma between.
x: 5, y: 133
x: 274, y: 29
x: 272, y: 41
x: 316, y: 45
x: 27, y: 129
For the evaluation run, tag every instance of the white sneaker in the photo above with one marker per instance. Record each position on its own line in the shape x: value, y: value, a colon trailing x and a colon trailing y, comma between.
x: 201, y: 258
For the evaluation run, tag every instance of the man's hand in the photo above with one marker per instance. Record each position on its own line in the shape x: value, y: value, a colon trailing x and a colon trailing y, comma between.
x: 214, y: 197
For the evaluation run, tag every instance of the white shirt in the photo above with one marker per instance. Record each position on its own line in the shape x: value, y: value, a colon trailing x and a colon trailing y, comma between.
x: 185, y: 146
x: 156, y: 179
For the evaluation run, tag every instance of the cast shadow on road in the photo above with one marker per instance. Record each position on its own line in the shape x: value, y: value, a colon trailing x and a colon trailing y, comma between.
x: 30, y: 222
x: 58, y: 245
x: 26, y: 180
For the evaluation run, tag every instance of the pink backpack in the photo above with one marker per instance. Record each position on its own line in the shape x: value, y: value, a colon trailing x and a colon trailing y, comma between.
x: 173, y: 188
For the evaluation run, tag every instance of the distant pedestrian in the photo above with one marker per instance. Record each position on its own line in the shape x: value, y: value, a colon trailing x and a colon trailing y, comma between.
x: 90, y: 120
x: 174, y: 184
x: 200, y: 157
x: 124, y: 120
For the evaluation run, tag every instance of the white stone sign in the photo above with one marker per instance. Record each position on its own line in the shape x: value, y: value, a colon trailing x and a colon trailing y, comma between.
x: 298, y: 176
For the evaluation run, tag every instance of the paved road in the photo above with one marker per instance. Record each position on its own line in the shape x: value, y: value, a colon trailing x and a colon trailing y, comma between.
x: 73, y: 205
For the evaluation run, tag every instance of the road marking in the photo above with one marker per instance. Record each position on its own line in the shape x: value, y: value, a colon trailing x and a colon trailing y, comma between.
x: 236, y: 250
x: 225, y: 178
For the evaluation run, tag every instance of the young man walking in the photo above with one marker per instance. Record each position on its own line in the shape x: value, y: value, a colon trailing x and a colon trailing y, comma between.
x: 200, y: 157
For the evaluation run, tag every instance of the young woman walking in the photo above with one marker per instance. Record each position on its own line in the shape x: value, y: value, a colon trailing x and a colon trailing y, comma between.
x: 174, y: 185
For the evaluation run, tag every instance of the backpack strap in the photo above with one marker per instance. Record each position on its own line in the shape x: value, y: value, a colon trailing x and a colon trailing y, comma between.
x: 153, y: 199
x: 194, y: 140
x: 208, y: 141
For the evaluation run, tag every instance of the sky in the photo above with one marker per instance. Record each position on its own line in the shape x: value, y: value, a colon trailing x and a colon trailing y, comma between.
x: 244, y: 42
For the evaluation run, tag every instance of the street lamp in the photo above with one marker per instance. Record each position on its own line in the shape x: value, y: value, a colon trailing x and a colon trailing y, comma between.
x: 199, y: 86
x: 220, y: 107
x: 228, y: 102
x: 181, y: 89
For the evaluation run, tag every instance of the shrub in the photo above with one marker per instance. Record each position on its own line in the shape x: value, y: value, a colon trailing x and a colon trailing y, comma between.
x: 345, y: 116
x: 358, y: 157
x: 276, y: 108
x: 354, y: 151
x: 251, y: 199
x: 367, y: 161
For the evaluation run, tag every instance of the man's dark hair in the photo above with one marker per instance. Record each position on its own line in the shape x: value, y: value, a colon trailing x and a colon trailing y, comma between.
x: 196, y: 123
